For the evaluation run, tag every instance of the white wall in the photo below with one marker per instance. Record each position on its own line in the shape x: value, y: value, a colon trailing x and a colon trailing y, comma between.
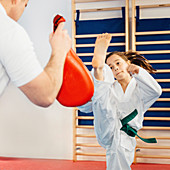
x: 25, y: 129
x: 154, y: 12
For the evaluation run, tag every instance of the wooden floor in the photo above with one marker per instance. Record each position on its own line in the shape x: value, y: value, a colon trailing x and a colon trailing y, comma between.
x: 51, y: 164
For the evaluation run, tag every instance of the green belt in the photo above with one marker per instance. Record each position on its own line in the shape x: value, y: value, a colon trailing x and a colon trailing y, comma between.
x: 132, y: 132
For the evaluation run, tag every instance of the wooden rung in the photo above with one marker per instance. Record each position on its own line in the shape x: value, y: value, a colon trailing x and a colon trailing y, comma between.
x: 155, y: 128
x: 152, y: 156
x: 99, y: 9
x: 163, y: 100
x: 92, y: 45
x: 157, y: 137
x: 157, y: 118
x: 153, y: 147
x: 163, y: 71
x: 85, y: 117
x: 155, y: 52
x: 88, y: 63
x: 95, y: 35
x: 144, y: 128
x: 159, y: 61
x: 87, y: 54
x: 152, y: 33
x: 86, y: 136
x: 152, y: 42
x: 85, y: 1
x: 163, y: 80
x: 166, y: 90
x: 145, y: 118
x: 85, y: 127
x: 154, y: 6
x: 94, y: 136
x: 159, y: 109
x: 84, y: 54
x: 84, y: 45
x: 142, y: 52
x: 90, y: 154
x: 150, y: 61
x: 88, y: 145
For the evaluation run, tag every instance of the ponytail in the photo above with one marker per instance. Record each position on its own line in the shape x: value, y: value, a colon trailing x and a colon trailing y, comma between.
x: 134, y: 58
x: 138, y: 59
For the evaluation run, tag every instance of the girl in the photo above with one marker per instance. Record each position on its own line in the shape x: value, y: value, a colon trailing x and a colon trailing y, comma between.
x: 119, y: 105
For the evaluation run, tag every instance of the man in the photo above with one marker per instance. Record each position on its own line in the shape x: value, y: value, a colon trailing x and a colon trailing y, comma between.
x: 18, y: 61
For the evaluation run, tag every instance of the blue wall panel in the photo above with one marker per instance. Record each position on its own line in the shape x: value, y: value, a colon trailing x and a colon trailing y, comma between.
x: 118, y: 26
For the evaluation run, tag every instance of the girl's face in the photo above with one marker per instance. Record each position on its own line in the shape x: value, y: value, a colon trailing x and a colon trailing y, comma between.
x: 118, y: 66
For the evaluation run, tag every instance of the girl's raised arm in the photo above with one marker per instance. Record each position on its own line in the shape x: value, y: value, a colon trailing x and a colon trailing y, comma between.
x: 149, y: 88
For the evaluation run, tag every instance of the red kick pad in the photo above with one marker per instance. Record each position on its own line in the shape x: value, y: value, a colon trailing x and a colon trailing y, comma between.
x: 77, y: 88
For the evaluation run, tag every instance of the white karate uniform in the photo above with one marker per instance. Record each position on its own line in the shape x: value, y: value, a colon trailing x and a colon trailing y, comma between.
x: 110, y: 104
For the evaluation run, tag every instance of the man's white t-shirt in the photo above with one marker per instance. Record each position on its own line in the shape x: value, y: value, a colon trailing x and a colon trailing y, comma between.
x: 18, y: 61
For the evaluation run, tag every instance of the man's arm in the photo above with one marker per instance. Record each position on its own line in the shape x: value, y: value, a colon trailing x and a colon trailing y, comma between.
x: 43, y: 89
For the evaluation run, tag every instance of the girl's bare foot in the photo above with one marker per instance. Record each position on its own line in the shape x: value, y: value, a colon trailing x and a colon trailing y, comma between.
x: 101, y: 46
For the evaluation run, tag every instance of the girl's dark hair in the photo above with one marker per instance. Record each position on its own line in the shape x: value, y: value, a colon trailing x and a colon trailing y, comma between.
x: 134, y: 58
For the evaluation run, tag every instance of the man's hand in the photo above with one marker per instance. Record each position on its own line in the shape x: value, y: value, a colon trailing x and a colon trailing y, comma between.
x: 60, y: 42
